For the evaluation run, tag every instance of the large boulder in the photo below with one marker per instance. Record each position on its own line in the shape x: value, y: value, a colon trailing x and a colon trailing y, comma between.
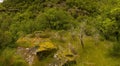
x: 36, y: 46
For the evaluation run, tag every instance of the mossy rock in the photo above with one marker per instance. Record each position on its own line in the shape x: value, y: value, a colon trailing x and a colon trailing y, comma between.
x: 33, y: 41
x: 46, y: 49
x: 66, y: 57
x: 24, y: 42
x: 28, y: 42
x: 46, y: 46
x: 43, y: 48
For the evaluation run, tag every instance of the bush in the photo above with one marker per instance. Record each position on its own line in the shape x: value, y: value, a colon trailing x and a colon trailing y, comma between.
x: 116, y: 50
x: 55, y: 19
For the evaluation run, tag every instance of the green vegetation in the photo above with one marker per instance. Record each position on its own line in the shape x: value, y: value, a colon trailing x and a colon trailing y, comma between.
x: 89, y: 28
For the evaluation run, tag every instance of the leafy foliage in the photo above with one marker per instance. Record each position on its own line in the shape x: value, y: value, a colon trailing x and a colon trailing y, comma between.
x: 55, y: 19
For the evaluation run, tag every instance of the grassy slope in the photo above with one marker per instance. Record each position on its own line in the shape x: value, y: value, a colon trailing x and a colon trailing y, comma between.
x: 92, y: 55
x: 96, y: 55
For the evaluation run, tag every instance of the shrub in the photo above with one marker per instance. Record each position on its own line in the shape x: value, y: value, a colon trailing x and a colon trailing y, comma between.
x: 55, y: 19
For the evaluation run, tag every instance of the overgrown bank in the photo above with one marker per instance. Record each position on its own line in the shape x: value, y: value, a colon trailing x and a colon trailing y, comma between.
x: 92, y: 27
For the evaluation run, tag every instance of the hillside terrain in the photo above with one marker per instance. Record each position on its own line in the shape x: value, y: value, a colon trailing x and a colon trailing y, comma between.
x: 60, y: 33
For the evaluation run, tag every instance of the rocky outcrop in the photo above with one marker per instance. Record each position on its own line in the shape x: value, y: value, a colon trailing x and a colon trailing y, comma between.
x: 64, y: 58
x: 32, y: 47
x: 29, y: 48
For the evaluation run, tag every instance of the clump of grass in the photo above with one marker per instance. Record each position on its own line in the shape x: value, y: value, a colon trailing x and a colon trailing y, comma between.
x: 10, y: 58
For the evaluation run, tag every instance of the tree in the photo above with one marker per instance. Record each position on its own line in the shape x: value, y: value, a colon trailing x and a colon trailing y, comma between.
x: 55, y: 19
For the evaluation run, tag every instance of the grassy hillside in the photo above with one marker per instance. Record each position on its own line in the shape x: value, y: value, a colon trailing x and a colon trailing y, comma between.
x: 89, y: 29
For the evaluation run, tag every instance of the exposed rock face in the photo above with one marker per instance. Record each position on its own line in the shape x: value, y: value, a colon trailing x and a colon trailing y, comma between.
x: 35, y: 47
x: 42, y: 51
x: 27, y: 54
